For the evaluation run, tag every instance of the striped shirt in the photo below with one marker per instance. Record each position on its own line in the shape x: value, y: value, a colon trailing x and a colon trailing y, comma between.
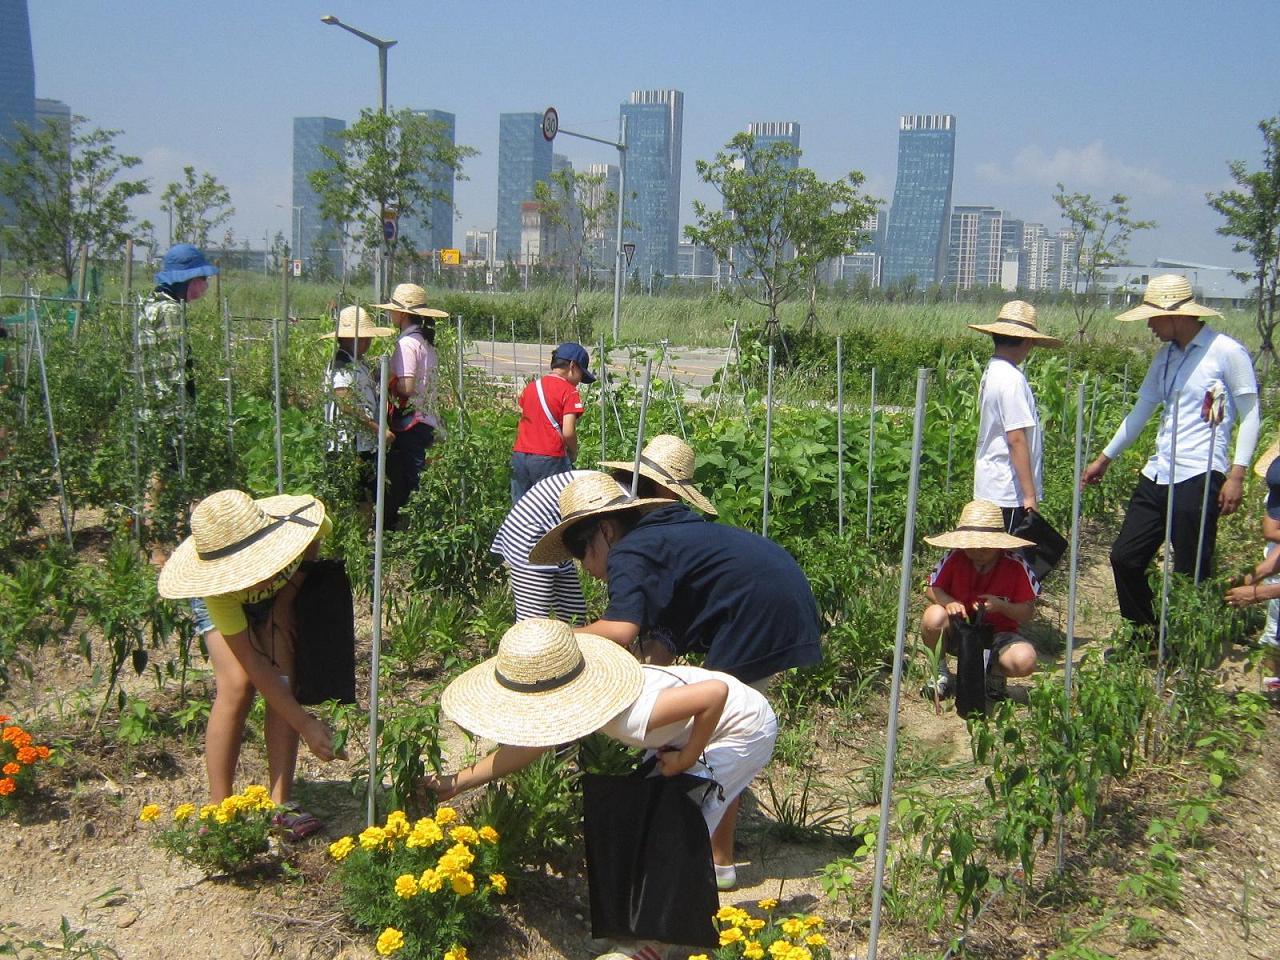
x: 163, y: 365
x: 531, y: 519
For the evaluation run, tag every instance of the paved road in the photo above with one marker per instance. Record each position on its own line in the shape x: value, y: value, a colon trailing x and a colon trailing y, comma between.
x: 693, y: 367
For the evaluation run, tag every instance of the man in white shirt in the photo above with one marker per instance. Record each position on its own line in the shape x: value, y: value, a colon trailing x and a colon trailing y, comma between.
x: 1008, y: 467
x: 1195, y: 364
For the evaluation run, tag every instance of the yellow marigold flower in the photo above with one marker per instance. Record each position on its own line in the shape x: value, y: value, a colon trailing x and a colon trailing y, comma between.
x: 464, y: 834
x: 461, y: 854
x: 371, y: 838
x: 255, y: 791
x: 12, y: 769
x: 397, y: 824
x: 793, y: 927
x: 149, y: 812
x: 799, y: 953
x: 446, y: 815
x: 754, y: 924
x: 814, y: 922
x: 431, y: 880
x: 731, y: 935
x: 488, y: 834
x: 389, y: 941
x: 699, y: 956
x: 731, y: 915
x: 463, y: 883
x: 768, y: 903
x: 223, y: 816
x: 498, y: 882
x: 816, y: 940
x: 457, y: 953
x: 208, y: 810
x: 753, y: 950
x: 425, y: 833
x: 341, y: 847
x: 183, y: 812
x: 406, y: 886
x: 779, y: 949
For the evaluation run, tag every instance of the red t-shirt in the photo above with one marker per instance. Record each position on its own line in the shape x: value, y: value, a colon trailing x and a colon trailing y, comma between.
x: 536, y: 434
x: 1009, y: 578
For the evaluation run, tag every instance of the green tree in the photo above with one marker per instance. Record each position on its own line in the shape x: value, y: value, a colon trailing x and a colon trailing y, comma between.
x: 196, y: 206
x: 778, y: 220
x: 1101, y: 230
x: 1252, y: 214
x: 577, y: 207
x: 67, y: 191
x: 387, y: 162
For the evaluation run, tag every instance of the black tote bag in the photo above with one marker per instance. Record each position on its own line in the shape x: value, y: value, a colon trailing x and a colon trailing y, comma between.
x: 972, y: 637
x: 649, y: 869
x: 1049, y: 547
x: 325, y: 653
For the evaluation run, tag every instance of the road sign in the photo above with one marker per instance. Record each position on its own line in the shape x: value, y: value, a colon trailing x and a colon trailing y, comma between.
x: 550, y: 123
x: 488, y: 278
x: 297, y: 268
x: 451, y: 257
x: 629, y: 251
x: 390, y: 225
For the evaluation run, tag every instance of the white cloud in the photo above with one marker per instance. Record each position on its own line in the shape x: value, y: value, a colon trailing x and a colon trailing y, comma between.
x: 1089, y: 167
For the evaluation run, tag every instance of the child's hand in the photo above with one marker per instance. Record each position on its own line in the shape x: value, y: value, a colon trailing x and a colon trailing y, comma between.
x: 993, y: 602
x: 672, y: 761
x: 443, y: 787
x: 956, y: 609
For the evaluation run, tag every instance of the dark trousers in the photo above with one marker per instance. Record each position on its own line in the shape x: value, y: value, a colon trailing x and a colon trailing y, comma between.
x: 1143, y: 531
x: 528, y: 468
x: 405, y: 459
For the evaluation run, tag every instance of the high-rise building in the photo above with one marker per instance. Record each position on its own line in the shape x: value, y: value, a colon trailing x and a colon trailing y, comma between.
x: 317, y: 242
x: 524, y: 158
x: 1048, y: 262
x: 480, y: 245
x: 57, y: 114
x: 765, y: 135
x: 433, y: 229
x: 651, y: 216
x: 600, y: 246
x: 976, y: 247
x: 17, y: 73
x: 916, y: 242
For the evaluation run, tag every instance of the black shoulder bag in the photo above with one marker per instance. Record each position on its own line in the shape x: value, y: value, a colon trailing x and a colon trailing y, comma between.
x: 1049, y: 547
x: 972, y: 637
x: 324, y: 655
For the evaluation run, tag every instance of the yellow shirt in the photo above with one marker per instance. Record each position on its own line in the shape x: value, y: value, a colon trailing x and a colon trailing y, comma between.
x: 226, y: 610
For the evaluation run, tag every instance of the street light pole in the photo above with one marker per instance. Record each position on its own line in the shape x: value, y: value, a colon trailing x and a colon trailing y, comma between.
x: 383, y: 46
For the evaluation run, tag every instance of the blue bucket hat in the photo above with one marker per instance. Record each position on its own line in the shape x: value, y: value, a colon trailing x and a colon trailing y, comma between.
x: 576, y: 353
x: 184, y: 262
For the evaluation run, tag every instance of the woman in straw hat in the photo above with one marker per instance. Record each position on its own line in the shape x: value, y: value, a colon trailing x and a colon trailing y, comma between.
x: 414, y: 421
x: 244, y: 558
x: 1262, y: 585
x: 1195, y: 363
x: 667, y: 465
x: 548, y: 685
x: 353, y: 407
x: 979, y: 570
x: 1008, y: 468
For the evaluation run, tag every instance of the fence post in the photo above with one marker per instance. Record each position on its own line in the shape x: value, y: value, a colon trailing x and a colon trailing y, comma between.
x: 768, y: 446
x: 895, y: 691
x: 384, y: 369
x: 871, y: 451
x: 604, y: 396
x: 275, y: 388
x: 644, y: 412
x: 840, y: 435
x: 140, y: 388
x: 63, y: 509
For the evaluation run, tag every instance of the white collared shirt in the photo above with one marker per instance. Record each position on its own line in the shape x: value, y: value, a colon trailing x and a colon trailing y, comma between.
x: 1178, y: 379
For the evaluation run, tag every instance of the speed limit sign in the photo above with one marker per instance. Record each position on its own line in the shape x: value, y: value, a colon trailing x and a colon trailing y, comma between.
x: 550, y: 123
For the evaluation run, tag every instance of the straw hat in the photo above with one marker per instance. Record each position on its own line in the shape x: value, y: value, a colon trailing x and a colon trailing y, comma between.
x: 1017, y: 318
x: 547, y: 685
x: 237, y: 541
x: 668, y: 462
x: 354, y: 323
x: 587, y: 496
x: 1264, y: 461
x: 410, y: 298
x: 981, y: 527
x: 1168, y: 295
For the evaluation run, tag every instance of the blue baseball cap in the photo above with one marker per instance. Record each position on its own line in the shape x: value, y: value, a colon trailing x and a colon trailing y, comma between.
x: 1273, y: 489
x: 576, y: 353
x: 184, y: 262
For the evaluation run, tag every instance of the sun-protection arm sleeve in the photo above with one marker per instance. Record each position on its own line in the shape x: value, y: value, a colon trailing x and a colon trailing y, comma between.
x: 1131, y: 427
x: 1247, y: 432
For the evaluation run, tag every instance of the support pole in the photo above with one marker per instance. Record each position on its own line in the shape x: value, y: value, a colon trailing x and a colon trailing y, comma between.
x: 840, y: 435
x: 80, y: 290
x: 375, y: 655
x: 228, y: 353
x: 604, y: 397
x: 1166, y: 571
x: 462, y: 421
x: 1204, y: 500
x: 644, y: 412
x: 871, y: 451
x: 275, y: 389
x: 620, y: 257
x: 951, y: 442
x: 63, y: 509
x: 284, y: 298
x: 140, y: 387
x: 895, y: 691
x: 768, y: 448
x: 183, y: 373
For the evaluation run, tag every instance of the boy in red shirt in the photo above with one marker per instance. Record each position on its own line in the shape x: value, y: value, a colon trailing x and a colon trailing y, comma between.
x: 978, y: 571
x: 547, y: 439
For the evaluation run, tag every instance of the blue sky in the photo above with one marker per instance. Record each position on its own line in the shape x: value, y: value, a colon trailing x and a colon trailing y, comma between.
x: 1146, y: 98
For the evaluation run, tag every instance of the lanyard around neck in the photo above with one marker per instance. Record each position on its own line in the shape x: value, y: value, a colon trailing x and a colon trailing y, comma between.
x: 1166, y: 384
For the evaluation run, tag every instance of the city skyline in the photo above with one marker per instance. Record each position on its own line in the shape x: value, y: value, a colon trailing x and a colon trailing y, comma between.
x: 1100, y: 129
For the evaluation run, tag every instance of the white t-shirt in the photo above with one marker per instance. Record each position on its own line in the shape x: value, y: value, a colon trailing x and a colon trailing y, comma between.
x: 353, y: 376
x: 1005, y: 402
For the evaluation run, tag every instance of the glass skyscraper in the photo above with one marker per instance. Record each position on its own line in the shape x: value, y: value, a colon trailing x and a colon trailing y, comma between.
x: 651, y: 211
x: 435, y: 230
x: 916, y: 241
x: 314, y: 237
x: 765, y: 135
x: 524, y: 158
x: 17, y: 72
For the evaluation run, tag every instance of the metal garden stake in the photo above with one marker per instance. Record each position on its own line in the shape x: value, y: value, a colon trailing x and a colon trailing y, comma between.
x: 768, y: 447
x: 871, y: 451
x: 1072, y: 579
x: 644, y: 412
x: 1167, y: 566
x: 840, y: 435
x: 275, y: 387
x: 384, y: 372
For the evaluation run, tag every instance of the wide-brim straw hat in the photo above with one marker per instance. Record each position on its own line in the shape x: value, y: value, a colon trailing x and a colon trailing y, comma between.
x: 410, y: 298
x: 669, y: 462
x: 587, y: 496
x: 547, y: 685
x: 237, y: 541
x: 355, y: 324
x: 1168, y: 295
x: 981, y: 527
x: 1264, y: 461
x: 1017, y: 318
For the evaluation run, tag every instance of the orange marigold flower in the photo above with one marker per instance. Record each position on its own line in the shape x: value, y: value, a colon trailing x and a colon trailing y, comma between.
x: 11, y: 769
x: 11, y: 734
x: 27, y: 755
x: 43, y: 753
x: 7, y: 786
x: 4, y: 718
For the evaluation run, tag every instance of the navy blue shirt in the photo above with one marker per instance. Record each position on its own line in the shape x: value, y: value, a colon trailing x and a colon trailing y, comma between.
x: 710, y: 588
